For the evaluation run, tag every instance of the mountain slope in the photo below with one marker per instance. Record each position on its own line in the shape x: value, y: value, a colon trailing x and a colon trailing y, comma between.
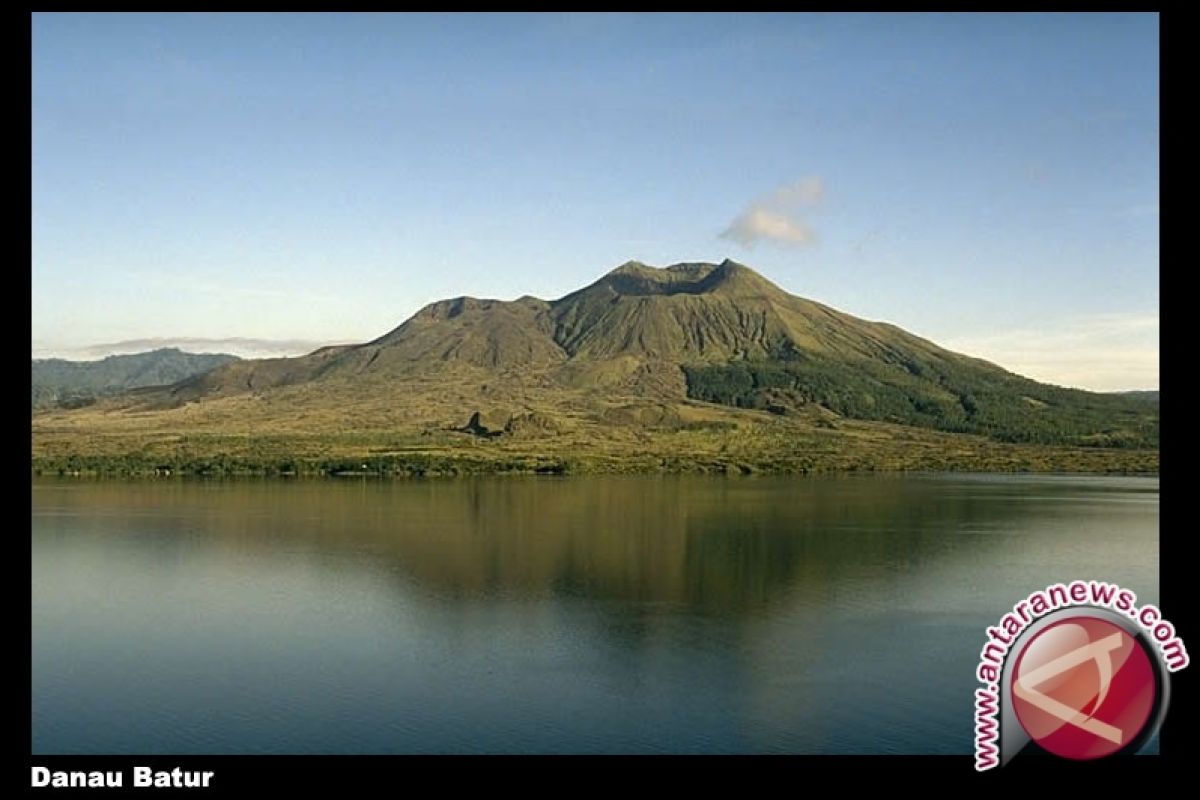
x: 668, y: 366
x: 719, y: 333
x: 57, y: 381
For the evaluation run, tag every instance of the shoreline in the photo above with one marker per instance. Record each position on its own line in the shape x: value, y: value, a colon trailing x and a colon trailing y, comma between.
x: 1081, y: 462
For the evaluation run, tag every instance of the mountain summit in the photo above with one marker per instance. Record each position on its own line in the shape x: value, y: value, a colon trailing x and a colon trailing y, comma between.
x: 635, y: 328
x: 719, y: 333
x: 639, y: 350
x: 635, y: 279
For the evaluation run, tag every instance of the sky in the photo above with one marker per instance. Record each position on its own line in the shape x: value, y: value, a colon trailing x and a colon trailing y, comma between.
x: 267, y: 183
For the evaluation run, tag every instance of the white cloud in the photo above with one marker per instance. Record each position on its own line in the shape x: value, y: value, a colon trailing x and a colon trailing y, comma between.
x: 761, y: 223
x: 778, y: 216
x: 1101, y: 352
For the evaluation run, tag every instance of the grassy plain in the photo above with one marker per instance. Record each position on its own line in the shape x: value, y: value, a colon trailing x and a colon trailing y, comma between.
x: 345, y: 428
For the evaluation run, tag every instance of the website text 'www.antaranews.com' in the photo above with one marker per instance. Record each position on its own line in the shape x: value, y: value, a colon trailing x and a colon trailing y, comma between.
x: 1001, y: 637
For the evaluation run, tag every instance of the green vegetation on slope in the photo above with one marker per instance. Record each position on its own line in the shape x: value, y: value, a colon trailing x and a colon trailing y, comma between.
x: 946, y: 396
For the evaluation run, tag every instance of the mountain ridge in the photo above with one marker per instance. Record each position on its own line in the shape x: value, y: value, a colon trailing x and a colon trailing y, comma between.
x: 64, y: 382
x: 691, y: 310
x: 640, y: 351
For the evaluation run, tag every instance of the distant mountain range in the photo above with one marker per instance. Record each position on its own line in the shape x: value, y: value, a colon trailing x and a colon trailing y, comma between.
x: 624, y: 368
x: 60, y: 383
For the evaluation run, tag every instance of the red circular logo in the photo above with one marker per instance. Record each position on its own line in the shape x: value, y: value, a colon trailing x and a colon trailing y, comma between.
x: 1083, y: 688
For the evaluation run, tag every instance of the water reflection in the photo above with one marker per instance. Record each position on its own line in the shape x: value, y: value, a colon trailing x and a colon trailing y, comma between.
x: 508, y: 615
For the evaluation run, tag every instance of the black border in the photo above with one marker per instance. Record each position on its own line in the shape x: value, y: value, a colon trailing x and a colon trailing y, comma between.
x: 354, y: 775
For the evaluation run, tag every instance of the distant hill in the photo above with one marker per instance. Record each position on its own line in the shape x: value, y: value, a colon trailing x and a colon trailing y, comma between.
x: 696, y: 363
x: 1145, y: 395
x: 57, y: 382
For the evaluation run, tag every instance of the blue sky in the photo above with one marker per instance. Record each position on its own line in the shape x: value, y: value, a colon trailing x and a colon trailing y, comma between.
x: 987, y: 181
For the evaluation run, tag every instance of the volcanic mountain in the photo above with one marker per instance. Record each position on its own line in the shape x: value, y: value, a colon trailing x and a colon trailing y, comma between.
x: 634, y: 320
x: 692, y: 346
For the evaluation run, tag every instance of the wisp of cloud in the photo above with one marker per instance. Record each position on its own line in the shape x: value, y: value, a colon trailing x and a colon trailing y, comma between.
x: 777, y: 216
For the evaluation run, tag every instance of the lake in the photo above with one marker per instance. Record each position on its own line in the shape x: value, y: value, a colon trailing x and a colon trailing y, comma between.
x: 548, y: 615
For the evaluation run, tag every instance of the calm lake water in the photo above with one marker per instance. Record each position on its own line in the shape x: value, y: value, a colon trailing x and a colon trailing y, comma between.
x: 579, y: 615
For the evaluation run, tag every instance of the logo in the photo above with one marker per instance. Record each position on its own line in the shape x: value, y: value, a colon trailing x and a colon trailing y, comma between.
x: 1078, y: 671
x: 1084, y: 688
